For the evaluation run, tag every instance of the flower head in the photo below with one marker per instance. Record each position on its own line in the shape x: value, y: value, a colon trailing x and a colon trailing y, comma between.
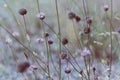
x: 22, y: 67
x: 22, y: 11
x: 40, y: 40
x: 106, y: 7
x: 85, y: 52
x: 41, y: 15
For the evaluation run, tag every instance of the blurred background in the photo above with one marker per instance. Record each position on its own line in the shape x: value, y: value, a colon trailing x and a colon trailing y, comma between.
x: 13, y: 21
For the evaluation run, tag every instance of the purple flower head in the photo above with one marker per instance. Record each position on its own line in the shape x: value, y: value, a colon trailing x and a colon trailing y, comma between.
x: 85, y: 52
x: 40, y: 40
x: 41, y: 15
x: 106, y: 7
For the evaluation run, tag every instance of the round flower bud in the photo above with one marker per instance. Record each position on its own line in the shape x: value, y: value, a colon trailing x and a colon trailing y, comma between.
x: 22, y: 11
x: 89, y: 21
x: 50, y: 42
x: 46, y: 34
x: 64, y: 41
x: 41, y: 15
x: 87, y: 30
x: 77, y: 18
x: 67, y: 70
x: 85, y: 52
x: 106, y: 7
x: 94, y: 69
x: 71, y: 15
x: 22, y: 67
x: 63, y: 55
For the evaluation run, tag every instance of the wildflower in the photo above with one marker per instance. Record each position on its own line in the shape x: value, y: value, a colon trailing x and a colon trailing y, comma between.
x: 77, y: 18
x: 71, y: 15
x: 85, y: 52
x: 22, y: 11
x: 64, y: 41
x: 89, y: 20
x: 41, y: 15
x: 67, y: 70
x: 46, y: 34
x: 22, y: 67
x: 40, y: 40
x: 106, y: 7
x: 87, y: 30
x: 63, y: 55
x: 50, y: 42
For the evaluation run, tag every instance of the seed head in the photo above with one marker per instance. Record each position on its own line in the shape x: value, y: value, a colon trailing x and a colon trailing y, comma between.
x: 89, y: 20
x: 77, y: 18
x: 106, y: 7
x: 50, y: 42
x: 46, y: 34
x: 67, y: 70
x: 85, y: 52
x: 87, y: 30
x: 64, y: 41
x: 22, y: 11
x: 40, y: 40
x: 63, y: 55
x: 22, y: 67
x: 41, y: 15
x: 71, y: 15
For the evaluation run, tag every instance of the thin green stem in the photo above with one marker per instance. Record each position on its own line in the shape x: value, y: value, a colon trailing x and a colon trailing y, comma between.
x: 46, y: 44
x: 111, y: 38
x: 53, y: 61
x: 86, y: 66
x: 38, y: 6
x: 59, y: 32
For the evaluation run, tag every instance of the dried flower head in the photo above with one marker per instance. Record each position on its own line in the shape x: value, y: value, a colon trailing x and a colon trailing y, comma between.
x: 89, y: 20
x: 64, y: 55
x: 22, y: 11
x: 46, y: 34
x: 87, y: 30
x: 106, y: 7
x: 22, y: 67
x: 67, y: 70
x: 71, y: 15
x: 64, y: 41
x: 77, y: 18
x: 41, y: 15
x: 85, y: 52
x: 50, y: 42
x: 40, y: 40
